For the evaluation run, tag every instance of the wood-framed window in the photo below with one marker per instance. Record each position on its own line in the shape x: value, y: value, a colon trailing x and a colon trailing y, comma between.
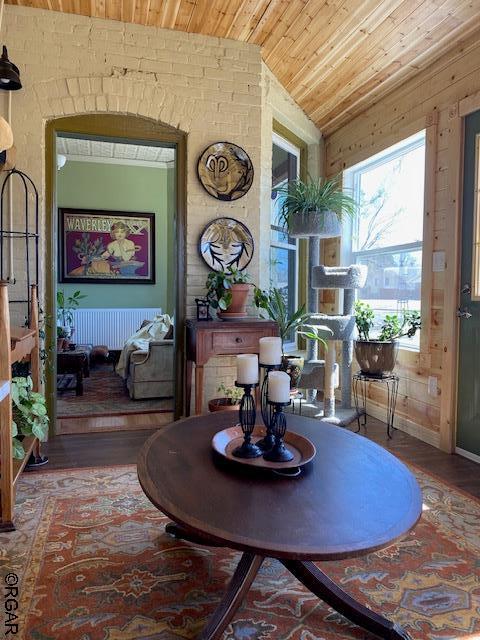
x: 387, y: 234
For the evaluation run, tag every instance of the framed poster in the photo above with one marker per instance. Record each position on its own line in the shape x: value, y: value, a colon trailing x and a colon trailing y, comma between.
x: 111, y: 247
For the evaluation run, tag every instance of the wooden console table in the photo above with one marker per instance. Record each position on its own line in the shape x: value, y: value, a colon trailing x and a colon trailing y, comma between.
x: 206, y: 339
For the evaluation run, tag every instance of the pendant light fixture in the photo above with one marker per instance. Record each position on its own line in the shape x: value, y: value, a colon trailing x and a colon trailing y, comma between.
x: 9, y: 73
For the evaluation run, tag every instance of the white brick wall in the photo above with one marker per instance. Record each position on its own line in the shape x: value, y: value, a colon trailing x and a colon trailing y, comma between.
x: 212, y: 89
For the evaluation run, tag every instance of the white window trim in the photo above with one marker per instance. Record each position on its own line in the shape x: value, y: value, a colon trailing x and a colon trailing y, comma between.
x: 291, y: 148
x: 352, y: 180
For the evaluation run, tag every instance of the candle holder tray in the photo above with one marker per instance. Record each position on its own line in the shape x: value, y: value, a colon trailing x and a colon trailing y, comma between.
x: 224, y: 442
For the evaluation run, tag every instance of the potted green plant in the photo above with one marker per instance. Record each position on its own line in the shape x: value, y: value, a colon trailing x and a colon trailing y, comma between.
x: 227, y: 291
x: 62, y: 339
x: 273, y: 304
x: 29, y: 414
x: 65, y: 308
x: 229, y: 401
x: 314, y: 207
x: 377, y: 356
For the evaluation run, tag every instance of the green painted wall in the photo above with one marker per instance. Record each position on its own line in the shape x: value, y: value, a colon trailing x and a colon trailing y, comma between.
x: 125, y: 188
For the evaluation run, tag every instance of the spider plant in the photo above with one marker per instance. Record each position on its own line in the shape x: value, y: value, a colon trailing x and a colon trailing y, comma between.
x: 314, y: 196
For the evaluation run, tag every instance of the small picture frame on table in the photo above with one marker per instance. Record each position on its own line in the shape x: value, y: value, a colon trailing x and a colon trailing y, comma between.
x: 203, y: 309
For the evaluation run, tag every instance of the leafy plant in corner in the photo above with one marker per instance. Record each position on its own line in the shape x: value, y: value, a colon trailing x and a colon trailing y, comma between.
x: 364, y: 319
x: 275, y: 306
x: 219, y: 286
x: 377, y: 357
x: 314, y: 196
x: 65, y: 308
x: 392, y: 328
x: 29, y: 414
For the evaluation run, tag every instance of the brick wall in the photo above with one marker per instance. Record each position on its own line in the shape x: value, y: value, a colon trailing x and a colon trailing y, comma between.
x: 210, y: 88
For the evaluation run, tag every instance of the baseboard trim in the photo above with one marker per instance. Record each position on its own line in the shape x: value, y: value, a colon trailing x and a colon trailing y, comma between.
x: 467, y: 454
x: 404, y: 424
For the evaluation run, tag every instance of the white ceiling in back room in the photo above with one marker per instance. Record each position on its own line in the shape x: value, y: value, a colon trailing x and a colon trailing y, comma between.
x: 87, y: 150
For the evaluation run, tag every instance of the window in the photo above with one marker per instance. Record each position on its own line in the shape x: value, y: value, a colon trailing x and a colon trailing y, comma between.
x: 387, y: 234
x: 283, y: 248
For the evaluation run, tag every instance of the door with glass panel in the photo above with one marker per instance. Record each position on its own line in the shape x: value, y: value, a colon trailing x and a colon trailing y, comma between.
x: 468, y: 416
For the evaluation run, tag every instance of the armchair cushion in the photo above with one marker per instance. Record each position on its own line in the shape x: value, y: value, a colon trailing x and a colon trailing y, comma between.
x: 150, y: 373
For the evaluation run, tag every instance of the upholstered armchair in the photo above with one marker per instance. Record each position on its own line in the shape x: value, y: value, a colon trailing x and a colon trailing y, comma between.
x: 150, y: 373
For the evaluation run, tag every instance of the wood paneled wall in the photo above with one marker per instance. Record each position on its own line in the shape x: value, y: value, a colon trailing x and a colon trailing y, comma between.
x: 429, y: 101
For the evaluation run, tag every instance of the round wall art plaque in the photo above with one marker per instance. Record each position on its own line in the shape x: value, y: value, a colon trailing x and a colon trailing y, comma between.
x: 226, y: 243
x: 225, y: 171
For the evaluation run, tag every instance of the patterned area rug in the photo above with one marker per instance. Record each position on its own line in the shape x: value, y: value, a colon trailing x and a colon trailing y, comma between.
x: 94, y: 563
x: 104, y: 393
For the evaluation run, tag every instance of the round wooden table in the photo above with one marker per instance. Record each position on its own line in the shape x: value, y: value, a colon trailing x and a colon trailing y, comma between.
x: 353, y: 498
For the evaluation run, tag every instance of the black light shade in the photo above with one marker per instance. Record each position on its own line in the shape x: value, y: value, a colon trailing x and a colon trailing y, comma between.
x: 9, y: 74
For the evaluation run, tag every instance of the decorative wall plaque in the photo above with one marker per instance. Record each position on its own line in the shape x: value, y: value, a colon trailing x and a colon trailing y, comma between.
x: 226, y: 243
x: 225, y: 171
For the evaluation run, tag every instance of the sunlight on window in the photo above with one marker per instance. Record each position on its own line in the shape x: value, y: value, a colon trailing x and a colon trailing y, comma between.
x: 388, y: 232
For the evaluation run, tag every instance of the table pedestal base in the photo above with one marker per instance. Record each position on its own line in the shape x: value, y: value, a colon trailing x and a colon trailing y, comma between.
x: 306, y: 572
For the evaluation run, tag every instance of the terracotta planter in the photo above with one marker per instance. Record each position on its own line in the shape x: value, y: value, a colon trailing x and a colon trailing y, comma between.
x: 221, y: 404
x: 320, y: 224
x: 238, y: 306
x: 293, y: 365
x: 376, y: 358
x: 60, y: 343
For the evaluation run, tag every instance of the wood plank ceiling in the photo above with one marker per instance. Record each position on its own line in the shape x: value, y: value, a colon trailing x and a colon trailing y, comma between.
x: 335, y: 57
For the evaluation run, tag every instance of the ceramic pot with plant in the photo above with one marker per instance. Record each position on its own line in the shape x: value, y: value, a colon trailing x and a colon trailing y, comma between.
x: 314, y: 208
x: 377, y: 357
x: 62, y: 339
x: 229, y: 401
x: 227, y: 291
x: 274, y: 306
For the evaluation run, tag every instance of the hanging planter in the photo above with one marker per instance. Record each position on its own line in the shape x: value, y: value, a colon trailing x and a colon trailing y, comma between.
x: 314, y: 208
x: 320, y: 224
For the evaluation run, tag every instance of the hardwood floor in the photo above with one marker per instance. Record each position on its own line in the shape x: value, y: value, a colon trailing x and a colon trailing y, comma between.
x: 115, y: 422
x: 104, y: 449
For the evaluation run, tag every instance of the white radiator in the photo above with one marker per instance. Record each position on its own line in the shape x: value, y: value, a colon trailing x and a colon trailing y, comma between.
x: 110, y: 327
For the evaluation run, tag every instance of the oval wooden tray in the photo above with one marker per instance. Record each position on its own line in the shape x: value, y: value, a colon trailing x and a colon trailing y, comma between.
x: 224, y: 442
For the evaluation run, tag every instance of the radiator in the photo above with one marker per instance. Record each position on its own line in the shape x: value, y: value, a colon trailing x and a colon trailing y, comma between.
x: 110, y: 327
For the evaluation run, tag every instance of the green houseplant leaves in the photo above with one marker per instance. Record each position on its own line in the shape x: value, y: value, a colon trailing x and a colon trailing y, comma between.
x: 29, y: 414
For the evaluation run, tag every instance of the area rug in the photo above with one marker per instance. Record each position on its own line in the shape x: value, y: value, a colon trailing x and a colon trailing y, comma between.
x: 94, y: 563
x: 104, y: 393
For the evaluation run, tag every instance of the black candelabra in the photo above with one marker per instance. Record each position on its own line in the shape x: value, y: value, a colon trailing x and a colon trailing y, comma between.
x: 278, y: 427
x: 247, y: 415
x: 268, y: 441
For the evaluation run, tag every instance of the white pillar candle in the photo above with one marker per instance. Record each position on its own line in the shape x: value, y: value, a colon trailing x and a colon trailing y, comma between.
x: 270, y: 350
x: 278, y: 386
x: 247, y: 368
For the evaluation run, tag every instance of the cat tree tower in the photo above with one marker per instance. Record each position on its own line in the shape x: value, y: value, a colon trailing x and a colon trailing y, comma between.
x: 323, y: 374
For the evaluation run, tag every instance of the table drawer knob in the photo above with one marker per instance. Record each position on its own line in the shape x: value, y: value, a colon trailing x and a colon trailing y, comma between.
x: 238, y: 340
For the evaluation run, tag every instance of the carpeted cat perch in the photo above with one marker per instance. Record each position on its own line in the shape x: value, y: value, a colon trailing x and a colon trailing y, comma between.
x: 323, y: 374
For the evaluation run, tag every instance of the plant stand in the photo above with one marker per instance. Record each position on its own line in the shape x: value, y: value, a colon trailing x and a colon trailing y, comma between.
x: 360, y: 382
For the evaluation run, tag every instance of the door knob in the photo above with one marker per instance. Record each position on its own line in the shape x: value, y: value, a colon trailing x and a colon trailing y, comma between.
x: 463, y: 313
x: 466, y: 288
